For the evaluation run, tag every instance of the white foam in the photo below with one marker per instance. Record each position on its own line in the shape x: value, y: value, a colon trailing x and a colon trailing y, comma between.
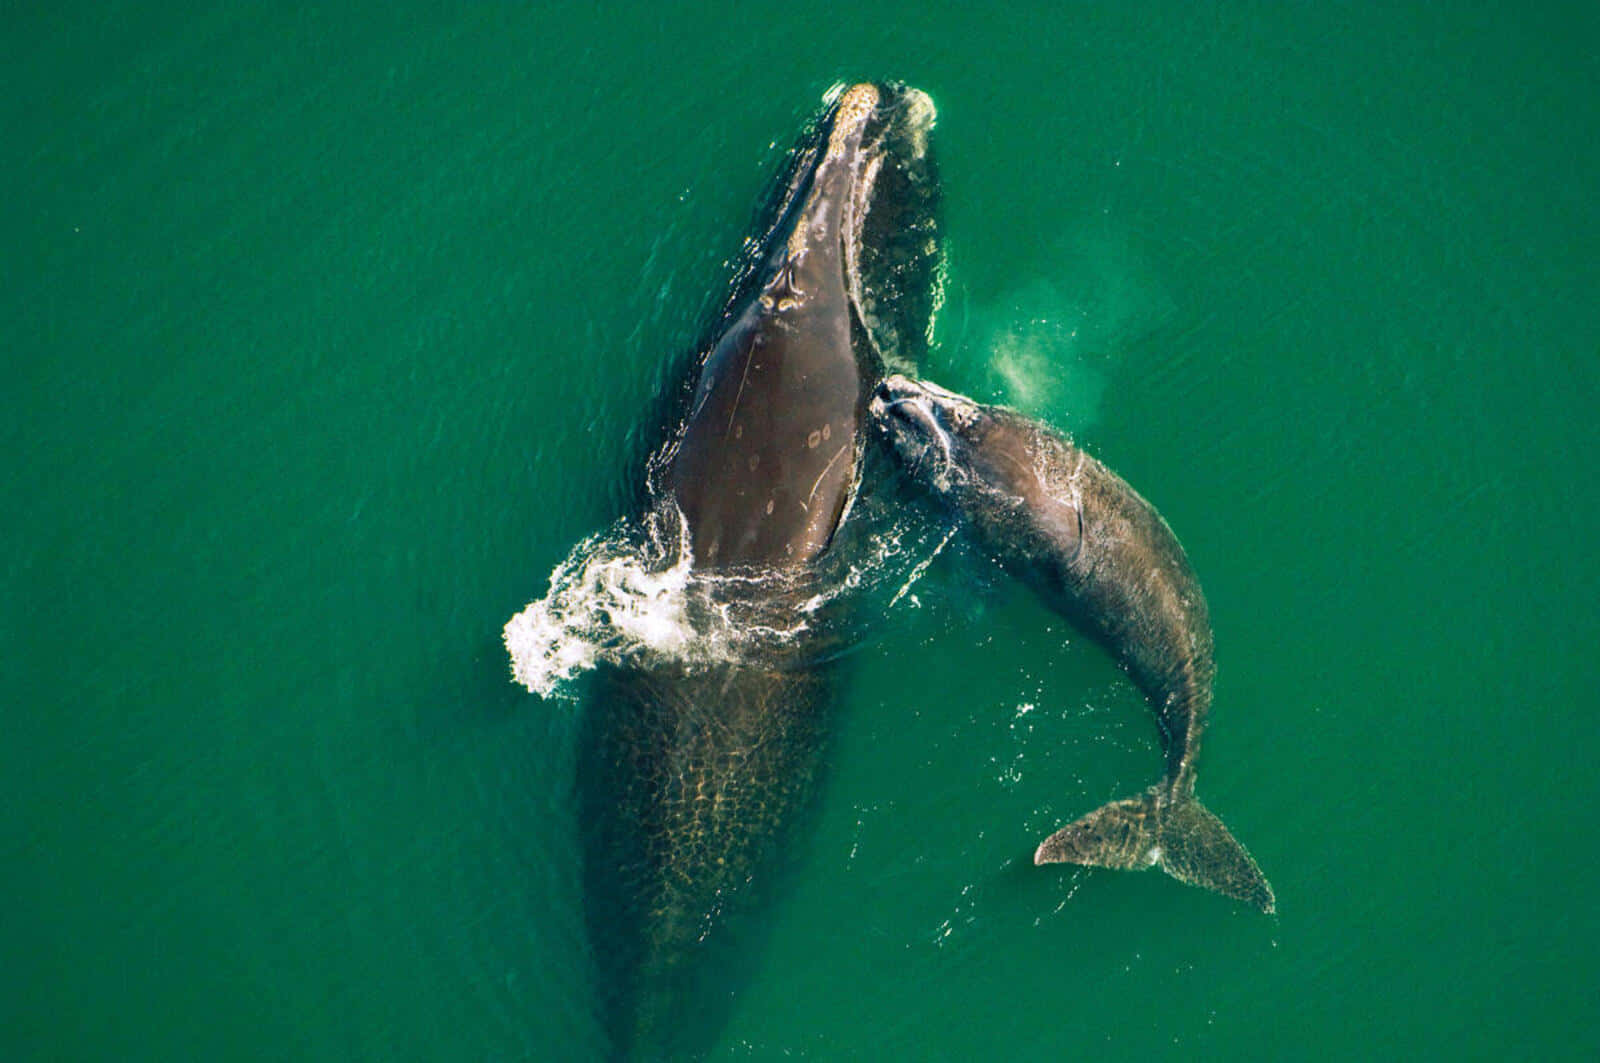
x: 629, y: 596
x: 626, y: 597
x: 607, y: 602
x: 918, y: 569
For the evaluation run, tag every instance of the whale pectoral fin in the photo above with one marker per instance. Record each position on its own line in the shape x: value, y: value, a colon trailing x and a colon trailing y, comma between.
x: 1121, y: 835
x: 1196, y: 848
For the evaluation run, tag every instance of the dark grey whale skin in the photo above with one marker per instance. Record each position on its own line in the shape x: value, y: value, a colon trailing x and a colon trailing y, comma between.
x: 767, y: 460
x: 691, y: 780
x: 1102, y: 556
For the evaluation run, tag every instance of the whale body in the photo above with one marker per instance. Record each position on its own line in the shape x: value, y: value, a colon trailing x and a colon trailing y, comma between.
x: 1102, y: 556
x: 692, y: 777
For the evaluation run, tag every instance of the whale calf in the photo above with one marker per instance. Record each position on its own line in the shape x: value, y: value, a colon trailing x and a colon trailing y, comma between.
x: 1101, y: 555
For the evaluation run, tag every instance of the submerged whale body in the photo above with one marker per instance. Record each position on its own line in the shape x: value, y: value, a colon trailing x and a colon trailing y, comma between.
x: 1103, y: 556
x: 692, y: 775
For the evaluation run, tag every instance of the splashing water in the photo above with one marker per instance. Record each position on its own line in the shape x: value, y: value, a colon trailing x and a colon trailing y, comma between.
x: 606, y: 602
x: 630, y: 597
x: 622, y: 597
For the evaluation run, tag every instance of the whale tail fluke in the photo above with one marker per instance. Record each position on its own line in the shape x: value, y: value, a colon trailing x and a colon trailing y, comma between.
x: 1178, y: 835
x: 1196, y: 848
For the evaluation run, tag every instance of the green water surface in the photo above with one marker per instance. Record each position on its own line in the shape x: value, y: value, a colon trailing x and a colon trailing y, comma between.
x: 329, y: 328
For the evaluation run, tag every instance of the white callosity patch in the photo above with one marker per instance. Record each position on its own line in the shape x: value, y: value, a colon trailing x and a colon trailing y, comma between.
x: 855, y: 108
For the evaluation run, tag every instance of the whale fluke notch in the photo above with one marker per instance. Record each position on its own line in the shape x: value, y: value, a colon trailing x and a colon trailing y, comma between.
x: 1179, y: 835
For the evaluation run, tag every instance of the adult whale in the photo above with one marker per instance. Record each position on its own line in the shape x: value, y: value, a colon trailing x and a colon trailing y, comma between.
x: 1103, y: 556
x: 692, y: 775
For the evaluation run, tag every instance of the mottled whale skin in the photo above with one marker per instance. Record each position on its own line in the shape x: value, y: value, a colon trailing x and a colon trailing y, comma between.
x: 1101, y: 555
x: 691, y: 779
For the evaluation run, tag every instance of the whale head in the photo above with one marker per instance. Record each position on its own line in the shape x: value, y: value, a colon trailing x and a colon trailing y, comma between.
x: 895, y: 251
x: 934, y: 431
x: 840, y: 286
x: 863, y: 181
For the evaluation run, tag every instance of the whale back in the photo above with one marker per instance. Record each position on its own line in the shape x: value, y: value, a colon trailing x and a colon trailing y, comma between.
x: 766, y: 463
x: 693, y: 779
